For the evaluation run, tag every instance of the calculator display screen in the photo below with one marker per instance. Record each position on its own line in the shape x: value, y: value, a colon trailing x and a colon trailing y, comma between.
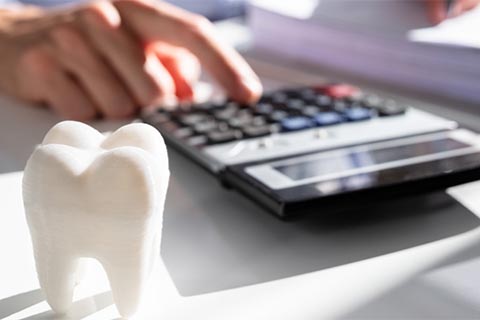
x: 356, y: 158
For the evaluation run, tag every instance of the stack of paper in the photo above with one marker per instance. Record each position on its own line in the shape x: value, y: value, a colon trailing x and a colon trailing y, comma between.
x: 386, y: 40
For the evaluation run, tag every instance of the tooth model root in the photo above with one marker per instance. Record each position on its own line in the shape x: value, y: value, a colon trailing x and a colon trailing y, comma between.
x: 58, y: 282
x: 87, y: 195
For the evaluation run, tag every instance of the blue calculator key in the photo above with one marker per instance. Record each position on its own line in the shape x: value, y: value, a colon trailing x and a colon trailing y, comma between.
x: 296, y: 123
x: 358, y: 114
x: 328, y: 118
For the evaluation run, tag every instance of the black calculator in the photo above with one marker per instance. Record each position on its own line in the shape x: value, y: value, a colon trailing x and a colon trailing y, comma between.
x: 316, y: 148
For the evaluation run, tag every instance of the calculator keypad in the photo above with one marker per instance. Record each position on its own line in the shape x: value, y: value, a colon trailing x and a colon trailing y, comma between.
x: 281, y: 111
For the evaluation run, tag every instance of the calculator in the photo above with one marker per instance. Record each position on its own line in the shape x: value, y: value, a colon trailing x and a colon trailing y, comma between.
x: 319, y: 148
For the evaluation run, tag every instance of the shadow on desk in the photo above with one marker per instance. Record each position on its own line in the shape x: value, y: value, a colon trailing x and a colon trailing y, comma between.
x: 215, y: 239
x: 81, y: 308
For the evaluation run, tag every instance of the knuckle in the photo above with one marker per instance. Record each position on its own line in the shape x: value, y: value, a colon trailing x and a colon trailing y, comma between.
x: 68, y: 38
x: 91, y: 9
x: 38, y: 61
x: 100, y: 13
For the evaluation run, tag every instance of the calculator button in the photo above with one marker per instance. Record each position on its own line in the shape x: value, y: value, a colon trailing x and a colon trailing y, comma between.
x: 340, y: 105
x: 226, y: 113
x: 358, y: 114
x: 205, y: 127
x: 278, y: 115
x: 307, y: 94
x: 328, y: 118
x: 238, y: 122
x: 266, y: 98
x: 373, y: 101
x: 263, y: 108
x: 279, y: 98
x: 256, y: 131
x: 193, y: 118
x: 323, y: 101
x: 246, y: 112
x: 391, y: 108
x: 296, y: 123
x: 197, y: 141
x: 183, y: 133
x: 295, y: 104
x: 223, y: 136
x: 259, y: 121
x: 311, y: 111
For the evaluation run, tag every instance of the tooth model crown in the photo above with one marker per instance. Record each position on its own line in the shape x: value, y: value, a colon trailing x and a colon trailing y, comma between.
x: 87, y: 195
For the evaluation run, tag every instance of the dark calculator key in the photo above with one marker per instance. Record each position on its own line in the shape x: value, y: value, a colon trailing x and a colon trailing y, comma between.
x: 279, y: 98
x: 358, y: 114
x: 266, y: 98
x: 193, y: 118
x: 373, y: 101
x: 391, y: 108
x: 278, y: 115
x: 223, y: 126
x: 296, y: 123
x: 295, y: 104
x: 307, y: 93
x: 263, y: 108
x: 246, y: 112
x: 233, y: 105
x: 197, y: 141
x: 240, y: 121
x: 323, y: 101
x: 225, y: 114
x: 340, y: 105
x: 259, y: 121
x: 310, y: 111
x: 223, y: 136
x: 204, y: 127
x: 183, y: 133
x: 256, y: 131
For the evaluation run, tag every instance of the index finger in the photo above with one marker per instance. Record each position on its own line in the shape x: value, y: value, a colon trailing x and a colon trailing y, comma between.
x: 164, y: 22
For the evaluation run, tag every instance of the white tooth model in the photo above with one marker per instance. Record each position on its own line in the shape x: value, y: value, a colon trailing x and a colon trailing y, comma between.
x: 90, y: 195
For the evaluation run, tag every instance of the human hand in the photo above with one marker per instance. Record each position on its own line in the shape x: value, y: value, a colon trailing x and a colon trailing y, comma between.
x: 111, y: 58
x: 437, y: 9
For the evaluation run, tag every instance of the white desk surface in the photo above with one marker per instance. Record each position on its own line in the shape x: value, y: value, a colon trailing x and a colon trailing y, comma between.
x: 226, y: 258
